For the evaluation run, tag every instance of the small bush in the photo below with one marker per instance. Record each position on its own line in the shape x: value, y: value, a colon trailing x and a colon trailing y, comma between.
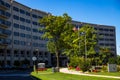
x: 118, y: 68
x: 85, y: 65
x: 104, y: 68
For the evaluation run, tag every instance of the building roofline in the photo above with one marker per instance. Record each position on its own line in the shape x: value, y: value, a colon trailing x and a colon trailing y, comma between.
x: 93, y: 24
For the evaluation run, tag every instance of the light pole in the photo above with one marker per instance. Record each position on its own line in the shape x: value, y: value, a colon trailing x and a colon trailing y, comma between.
x: 37, y: 52
x: 34, y: 59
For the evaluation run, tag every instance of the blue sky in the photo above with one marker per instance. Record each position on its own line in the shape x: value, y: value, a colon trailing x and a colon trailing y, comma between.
x: 106, y: 12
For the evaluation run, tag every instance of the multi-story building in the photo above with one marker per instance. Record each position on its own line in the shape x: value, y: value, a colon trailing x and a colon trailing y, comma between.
x: 20, y: 38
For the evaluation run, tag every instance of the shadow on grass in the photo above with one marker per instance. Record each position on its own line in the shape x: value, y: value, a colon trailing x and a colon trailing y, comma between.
x: 35, y: 78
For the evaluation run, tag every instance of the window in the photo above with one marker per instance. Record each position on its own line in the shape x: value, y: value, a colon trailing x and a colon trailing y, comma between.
x: 22, y: 35
x: 7, y: 5
x: 22, y: 11
x: 15, y: 9
x: 8, y: 14
x: 27, y: 20
x: 22, y: 27
x: 34, y: 16
x: 27, y: 13
x: 16, y: 25
x: 16, y: 17
x: 34, y: 23
x: 22, y: 19
x: 111, y: 30
x: 8, y: 32
x: 8, y: 23
x: 22, y: 42
x: 16, y: 33
x: 40, y: 17
x: 35, y: 37
x: 35, y: 30
x: 8, y: 41
x: 28, y: 36
x: 16, y: 42
x: 28, y: 29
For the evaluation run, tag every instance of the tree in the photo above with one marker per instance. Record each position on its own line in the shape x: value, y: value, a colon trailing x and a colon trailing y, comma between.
x: 83, y: 42
x: 56, y: 30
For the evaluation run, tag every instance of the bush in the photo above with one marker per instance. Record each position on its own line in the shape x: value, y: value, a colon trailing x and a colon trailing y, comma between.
x: 104, y: 68
x: 118, y: 68
x: 85, y: 65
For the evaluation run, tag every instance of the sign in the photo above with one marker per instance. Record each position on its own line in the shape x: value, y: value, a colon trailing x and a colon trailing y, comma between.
x: 112, y: 67
x: 41, y: 65
x: 34, y: 58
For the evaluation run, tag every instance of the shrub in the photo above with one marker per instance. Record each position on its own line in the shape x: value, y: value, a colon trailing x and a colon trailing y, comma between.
x: 85, y: 65
x: 104, y: 68
x: 118, y: 68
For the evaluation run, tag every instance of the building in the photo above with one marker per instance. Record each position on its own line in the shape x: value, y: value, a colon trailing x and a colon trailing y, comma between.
x: 20, y: 38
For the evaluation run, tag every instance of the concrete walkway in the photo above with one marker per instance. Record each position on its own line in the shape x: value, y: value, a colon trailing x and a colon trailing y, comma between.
x: 65, y: 70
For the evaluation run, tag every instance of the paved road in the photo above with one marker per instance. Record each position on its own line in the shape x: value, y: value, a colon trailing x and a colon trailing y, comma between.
x: 15, y: 75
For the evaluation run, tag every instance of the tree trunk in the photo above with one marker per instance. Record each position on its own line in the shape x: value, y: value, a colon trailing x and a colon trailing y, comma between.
x: 57, y: 56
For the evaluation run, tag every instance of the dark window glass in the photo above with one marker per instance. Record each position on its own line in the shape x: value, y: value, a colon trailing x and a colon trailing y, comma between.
x: 28, y: 36
x: 40, y: 17
x: 8, y: 14
x: 7, y: 5
x: 16, y: 33
x: 34, y: 23
x: 16, y: 25
x: 22, y: 27
x: 22, y: 42
x: 35, y: 30
x: 16, y: 17
x: 16, y: 42
x: 34, y: 16
x: 27, y: 13
x: 22, y: 11
x: 35, y: 37
x: 22, y: 35
x: 15, y: 9
x: 111, y: 30
x: 8, y: 23
x: 28, y: 29
x: 22, y: 19
x: 28, y: 21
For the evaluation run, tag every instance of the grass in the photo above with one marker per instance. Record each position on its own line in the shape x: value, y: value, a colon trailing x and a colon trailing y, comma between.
x: 107, y: 73
x: 48, y: 75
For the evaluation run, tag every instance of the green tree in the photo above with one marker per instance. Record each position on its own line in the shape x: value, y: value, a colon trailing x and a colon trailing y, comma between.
x: 57, y: 30
x: 83, y: 42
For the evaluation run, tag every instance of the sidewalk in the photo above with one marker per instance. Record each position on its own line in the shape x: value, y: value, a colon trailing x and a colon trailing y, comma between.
x: 65, y: 70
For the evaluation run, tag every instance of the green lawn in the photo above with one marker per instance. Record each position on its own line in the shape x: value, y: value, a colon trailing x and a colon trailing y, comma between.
x: 48, y: 75
x: 107, y: 73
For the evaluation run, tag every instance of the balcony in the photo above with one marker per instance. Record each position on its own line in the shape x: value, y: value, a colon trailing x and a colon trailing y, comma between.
x: 4, y: 42
x: 3, y: 5
x: 2, y: 15
x: 4, y: 33
x: 4, y: 24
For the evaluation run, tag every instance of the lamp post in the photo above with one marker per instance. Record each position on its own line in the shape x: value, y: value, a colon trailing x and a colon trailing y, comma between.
x: 34, y: 59
x: 37, y: 59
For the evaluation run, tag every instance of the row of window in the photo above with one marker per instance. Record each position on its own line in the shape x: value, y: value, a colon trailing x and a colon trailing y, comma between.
x: 4, y: 4
x: 27, y: 36
x: 6, y: 23
x: 17, y: 42
x: 6, y: 32
x: 26, y: 12
x: 3, y: 13
x: 27, y: 28
x: 102, y: 29
x: 25, y: 20
x: 102, y: 34
x: 107, y: 44
x: 5, y: 41
x: 102, y: 39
